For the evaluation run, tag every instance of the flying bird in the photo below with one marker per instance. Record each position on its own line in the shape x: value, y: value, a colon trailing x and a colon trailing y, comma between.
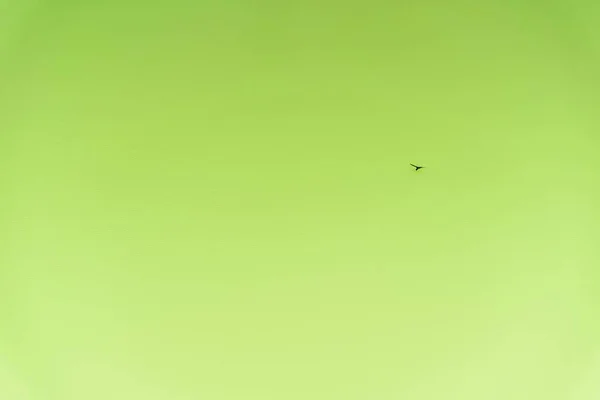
x: 417, y: 167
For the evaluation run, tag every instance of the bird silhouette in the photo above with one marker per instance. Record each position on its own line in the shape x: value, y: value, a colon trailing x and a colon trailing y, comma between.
x: 417, y: 167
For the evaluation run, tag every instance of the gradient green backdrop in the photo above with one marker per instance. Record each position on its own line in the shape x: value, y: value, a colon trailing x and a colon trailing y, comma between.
x: 212, y: 200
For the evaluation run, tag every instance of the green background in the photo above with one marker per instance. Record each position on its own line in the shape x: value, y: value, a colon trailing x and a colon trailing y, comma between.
x: 212, y: 200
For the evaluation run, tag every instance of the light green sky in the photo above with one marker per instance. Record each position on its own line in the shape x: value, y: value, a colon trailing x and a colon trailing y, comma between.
x: 212, y: 200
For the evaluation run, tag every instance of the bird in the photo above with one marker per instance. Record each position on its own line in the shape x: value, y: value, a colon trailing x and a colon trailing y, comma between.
x: 417, y: 167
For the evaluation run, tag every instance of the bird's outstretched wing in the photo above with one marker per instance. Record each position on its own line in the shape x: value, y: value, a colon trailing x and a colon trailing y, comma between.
x: 414, y: 165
